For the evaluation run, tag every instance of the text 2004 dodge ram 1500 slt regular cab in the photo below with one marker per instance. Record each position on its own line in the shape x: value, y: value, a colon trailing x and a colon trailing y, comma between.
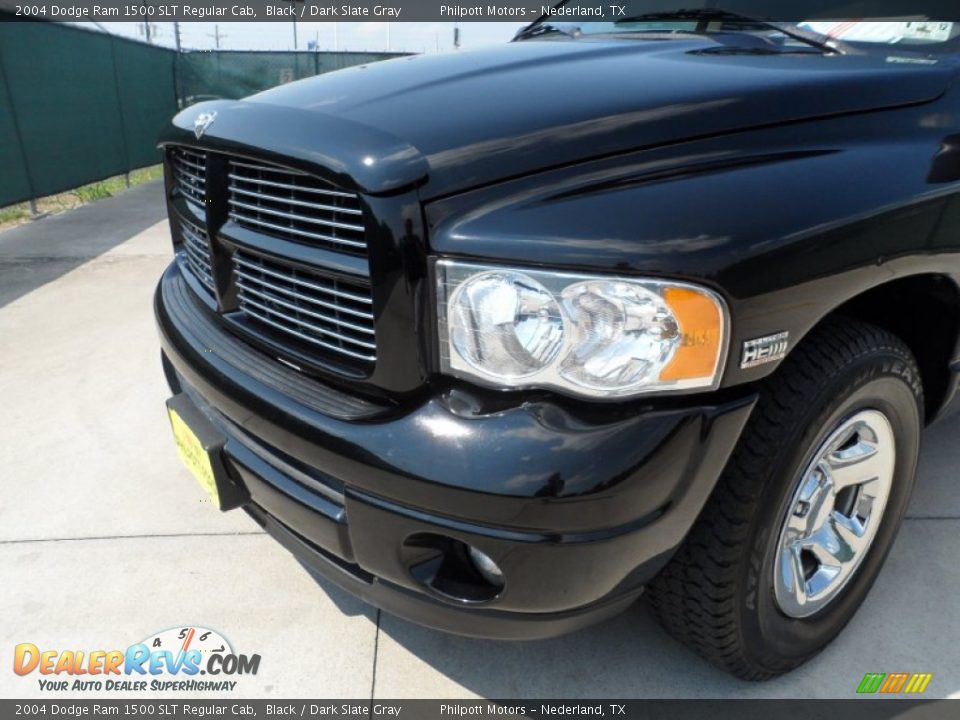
x: 497, y: 339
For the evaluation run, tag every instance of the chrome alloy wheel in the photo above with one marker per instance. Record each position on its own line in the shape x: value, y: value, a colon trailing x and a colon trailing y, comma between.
x: 834, y: 513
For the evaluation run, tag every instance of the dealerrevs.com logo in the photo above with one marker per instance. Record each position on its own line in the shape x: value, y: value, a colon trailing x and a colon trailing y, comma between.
x: 179, y: 659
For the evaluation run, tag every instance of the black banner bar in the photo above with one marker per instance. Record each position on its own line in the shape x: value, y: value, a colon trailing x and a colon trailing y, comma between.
x: 178, y: 709
x: 439, y: 10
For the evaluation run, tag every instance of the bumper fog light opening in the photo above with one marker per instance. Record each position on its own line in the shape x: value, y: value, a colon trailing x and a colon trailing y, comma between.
x: 488, y: 569
x: 452, y: 568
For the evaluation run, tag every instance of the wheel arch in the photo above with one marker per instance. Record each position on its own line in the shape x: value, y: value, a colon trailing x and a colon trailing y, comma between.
x: 924, y: 311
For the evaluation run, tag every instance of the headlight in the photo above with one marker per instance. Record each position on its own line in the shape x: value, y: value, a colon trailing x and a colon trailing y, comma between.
x: 588, y: 335
x: 505, y: 322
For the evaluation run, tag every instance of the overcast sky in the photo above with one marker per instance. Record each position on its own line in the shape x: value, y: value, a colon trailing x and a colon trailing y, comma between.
x: 397, y: 36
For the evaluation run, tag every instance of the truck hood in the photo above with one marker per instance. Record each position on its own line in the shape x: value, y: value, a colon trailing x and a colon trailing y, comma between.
x: 473, y: 118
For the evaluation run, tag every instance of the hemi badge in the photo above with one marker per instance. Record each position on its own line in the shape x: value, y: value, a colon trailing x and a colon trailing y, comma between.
x: 761, y: 351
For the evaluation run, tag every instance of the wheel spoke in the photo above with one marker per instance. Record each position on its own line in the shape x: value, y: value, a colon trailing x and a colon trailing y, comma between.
x: 814, y: 491
x: 812, y: 486
x: 796, y: 528
x: 861, y: 463
x: 822, y: 579
x: 792, y: 575
x: 848, y: 531
x: 863, y: 510
x: 829, y: 547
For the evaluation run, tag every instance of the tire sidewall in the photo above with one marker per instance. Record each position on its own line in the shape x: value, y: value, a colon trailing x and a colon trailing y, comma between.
x: 882, y: 382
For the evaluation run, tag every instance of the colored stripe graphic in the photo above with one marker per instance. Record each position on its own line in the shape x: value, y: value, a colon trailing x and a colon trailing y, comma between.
x: 871, y: 682
x: 893, y: 683
x: 918, y: 682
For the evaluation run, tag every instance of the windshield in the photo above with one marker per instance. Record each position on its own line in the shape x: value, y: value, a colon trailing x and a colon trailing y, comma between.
x: 881, y: 23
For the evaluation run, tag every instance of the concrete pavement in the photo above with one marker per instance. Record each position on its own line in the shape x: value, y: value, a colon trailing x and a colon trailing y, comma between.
x: 105, y: 539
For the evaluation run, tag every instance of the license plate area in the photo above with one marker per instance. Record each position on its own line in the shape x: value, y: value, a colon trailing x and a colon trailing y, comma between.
x: 200, y: 446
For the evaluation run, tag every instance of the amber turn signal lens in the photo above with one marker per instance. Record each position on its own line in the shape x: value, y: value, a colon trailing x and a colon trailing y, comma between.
x: 701, y: 331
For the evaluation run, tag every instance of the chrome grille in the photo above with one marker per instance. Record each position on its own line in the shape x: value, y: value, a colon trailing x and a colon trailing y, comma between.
x: 295, y: 206
x: 190, y: 173
x: 320, y: 311
x: 196, y: 250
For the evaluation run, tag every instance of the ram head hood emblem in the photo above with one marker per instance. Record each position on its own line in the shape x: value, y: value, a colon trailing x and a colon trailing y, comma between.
x: 202, y: 122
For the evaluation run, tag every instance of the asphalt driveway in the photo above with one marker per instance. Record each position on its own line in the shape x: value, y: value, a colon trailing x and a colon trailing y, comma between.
x: 105, y: 540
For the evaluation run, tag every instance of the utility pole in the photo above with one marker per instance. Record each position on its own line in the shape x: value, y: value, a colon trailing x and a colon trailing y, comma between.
x: 456, y: 37
x: 147, y: 30
x: 216, y: 35
x: 294, y: 34
x: 177, y: 83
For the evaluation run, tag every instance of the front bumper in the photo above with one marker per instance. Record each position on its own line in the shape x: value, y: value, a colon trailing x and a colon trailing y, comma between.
x: 579, y: 510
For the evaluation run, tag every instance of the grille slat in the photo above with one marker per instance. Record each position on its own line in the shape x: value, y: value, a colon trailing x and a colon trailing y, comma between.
x: 189, y: 177
x: 287, y: 186
x: 293, y: 205
x: 190, y: 174
x: 196, y: 245
x: 301, y: 203
x: 308, y: 338
x: 320, y: 330
x: 290, y: 275
x: 195, y: 165
x: 198, y: 260
x: 294, y: 216
x: 268, y: 287
x: 268, y: 168
x: 311, y: 313
x: 328, y: 313
x: 280, y: 230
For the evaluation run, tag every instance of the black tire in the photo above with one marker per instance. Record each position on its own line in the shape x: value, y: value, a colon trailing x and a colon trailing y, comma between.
x: 717, y: 594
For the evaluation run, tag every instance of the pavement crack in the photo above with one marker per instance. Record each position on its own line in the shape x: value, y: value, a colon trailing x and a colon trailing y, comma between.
x: 105, y: 255
x: 930, y: 517
x: 128, y: 537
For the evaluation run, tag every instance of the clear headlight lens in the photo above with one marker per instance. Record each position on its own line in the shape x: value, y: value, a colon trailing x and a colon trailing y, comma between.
x: 627, y: 334
x: 505, y: 323
x: 587, y: 335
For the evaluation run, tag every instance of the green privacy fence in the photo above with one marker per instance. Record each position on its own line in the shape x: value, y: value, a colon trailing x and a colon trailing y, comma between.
x: 79, y: 106
x: 76, y: 107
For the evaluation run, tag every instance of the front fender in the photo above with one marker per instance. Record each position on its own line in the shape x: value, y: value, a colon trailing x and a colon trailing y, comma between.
x: 787, y: 223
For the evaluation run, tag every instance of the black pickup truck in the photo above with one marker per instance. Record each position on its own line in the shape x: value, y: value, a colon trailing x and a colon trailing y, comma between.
x: 498, y: 339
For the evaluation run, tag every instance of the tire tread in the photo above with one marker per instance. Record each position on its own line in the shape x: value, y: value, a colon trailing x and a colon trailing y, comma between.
x: 695, y: 597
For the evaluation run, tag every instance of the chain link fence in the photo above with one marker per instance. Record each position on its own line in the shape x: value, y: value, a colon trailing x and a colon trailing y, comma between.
x: 78, y: 106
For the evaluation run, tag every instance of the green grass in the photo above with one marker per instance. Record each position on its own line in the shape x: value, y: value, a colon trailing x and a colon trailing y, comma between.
x: 14, y: 213
x: 92, y: 193
x: 20, y: 213
x: 112, y: 186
